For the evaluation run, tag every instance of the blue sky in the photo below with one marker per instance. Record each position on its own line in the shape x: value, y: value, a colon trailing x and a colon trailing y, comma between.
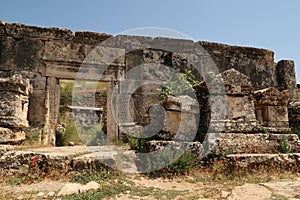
x: 271, y: 24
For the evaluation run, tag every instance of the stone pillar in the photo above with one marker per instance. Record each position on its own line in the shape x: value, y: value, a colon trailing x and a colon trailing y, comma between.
x: 14, y: 98
x: 286, y: 76
x: 112, y: 127
x: 52, y: 110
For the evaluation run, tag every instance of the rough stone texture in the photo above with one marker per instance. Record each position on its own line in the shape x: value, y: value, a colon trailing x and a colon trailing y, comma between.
x: 238, y: 102
x: 180, y: 120
x: 286, y: 75
x: 14, y: 97
x: 236, y: 143
x: 250, y: 191
x: 254, y: 162
x: 90, y: 37
x: 23, y: 54
x: 2, y: 28
x: 294, y: 114
x: 75, y: 188
x: 11, y: 136
x: 257, y: 64
x: 50, y: 54
x: 21, y: 30
x: 271, y: 108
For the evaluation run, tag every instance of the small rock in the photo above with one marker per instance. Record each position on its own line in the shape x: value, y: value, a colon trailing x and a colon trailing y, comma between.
x: 74, y: 188
x: 224, y: 194
x: 71, y: 143
x: 69, y: 188
x: 20, y: 197
x: 51, y: 194
x: 40, y: 194
x: 250, y: 191
x: 90, y: 186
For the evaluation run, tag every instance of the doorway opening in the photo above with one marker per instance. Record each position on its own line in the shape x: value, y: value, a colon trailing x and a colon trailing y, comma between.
x: 82, y: 113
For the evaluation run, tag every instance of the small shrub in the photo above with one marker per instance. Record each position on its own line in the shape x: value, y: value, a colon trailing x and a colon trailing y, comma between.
x: 33, y: 134
x: 183, y: 165
x: 70, y: 134
x: 183, y: 84
x: 284, y: 147
x: 137, y: 143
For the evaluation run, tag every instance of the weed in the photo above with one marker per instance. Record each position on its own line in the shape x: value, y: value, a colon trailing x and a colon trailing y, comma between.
x: 183, y: 84
x: 284, y: 147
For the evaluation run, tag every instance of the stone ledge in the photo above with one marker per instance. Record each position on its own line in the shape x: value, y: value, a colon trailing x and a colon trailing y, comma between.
x: 21, y: 30
x: 250, y: 143
x: 254, y: 162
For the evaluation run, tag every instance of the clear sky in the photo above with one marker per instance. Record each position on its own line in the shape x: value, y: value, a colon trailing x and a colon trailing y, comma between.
x: 271, y: 24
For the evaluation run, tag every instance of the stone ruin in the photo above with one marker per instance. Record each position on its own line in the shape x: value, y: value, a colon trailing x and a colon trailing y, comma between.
x: 261, y: 95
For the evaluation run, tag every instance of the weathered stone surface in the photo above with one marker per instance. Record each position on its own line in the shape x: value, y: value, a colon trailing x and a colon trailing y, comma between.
x: 271, y: 107
x: 23, y: 54
x: 180, y: 120
x: 11, y: 136
x: 232, y: 109
x: 91, y: 37
x: 21, y: 30
x: 257, y: 64
x: 286, y: 188
x: 250, y: 191
x: 2, y: 28
x: 174, y: 45
x: 272, y: 97
x: 254, y: 162
x: 294, y: 114
x: 46, y: 54
x: 130, y: 43
x: 236, y: 143
x: 14, y: 93
x: 286, y: 75
x: 75, y: 188
x: 181, y: 104
x: 56, y: 50
x: 37, y: 108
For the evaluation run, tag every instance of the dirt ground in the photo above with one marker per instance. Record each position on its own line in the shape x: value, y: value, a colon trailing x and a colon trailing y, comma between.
x: 278, y: 189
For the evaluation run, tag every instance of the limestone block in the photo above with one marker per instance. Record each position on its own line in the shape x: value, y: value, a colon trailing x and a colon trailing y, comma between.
x: 271, y: 96
x: 104, y: 54
x: 2, y: 28
x: 181, y: 104
x: 91, y: 37
x: 21, y: 30
x: 174, y: 45
x: 294, y: 114
x: 130, y: 43
x: 240, y: 107
x: 286, y: 74
x: 277, y: 114
x: 56, y: 50
x: 23, y: 54
x: 238, y: 143
x: 233, y: 82
x: 257, y: 64
x: 38, y: 82
x: 37, y: 109
x: 11, y: 136
x: 14, y: 92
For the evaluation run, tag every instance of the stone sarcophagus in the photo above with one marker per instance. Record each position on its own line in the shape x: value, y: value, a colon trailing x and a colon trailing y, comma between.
x: 271, y: 108
x: 14, y: 99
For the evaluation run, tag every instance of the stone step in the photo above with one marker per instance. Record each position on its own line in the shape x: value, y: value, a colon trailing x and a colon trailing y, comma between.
x: 253, y: 162
x: 119, y: 158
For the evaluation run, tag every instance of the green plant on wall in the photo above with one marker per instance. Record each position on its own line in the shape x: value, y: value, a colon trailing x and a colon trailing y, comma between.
x: 284, y: 147
x: 183, y: 84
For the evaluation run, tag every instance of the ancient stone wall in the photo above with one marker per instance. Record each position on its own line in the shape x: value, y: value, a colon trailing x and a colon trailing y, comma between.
x: 46, y: 55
